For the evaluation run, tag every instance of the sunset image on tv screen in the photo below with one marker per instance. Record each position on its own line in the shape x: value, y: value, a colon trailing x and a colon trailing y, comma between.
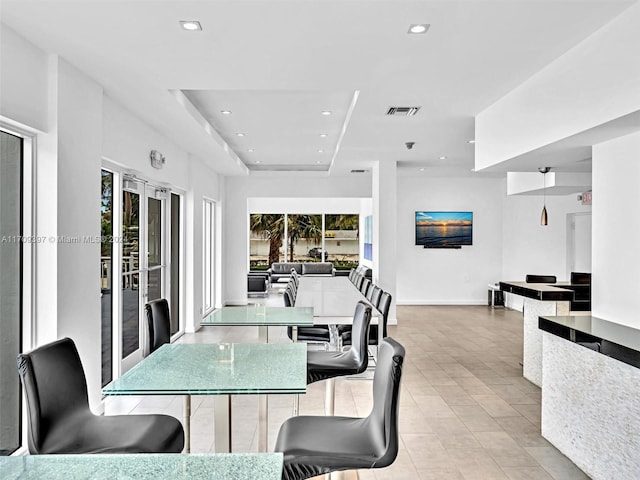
x: 443, y: 229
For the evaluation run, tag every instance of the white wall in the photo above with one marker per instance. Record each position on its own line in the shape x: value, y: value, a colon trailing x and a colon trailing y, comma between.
x: 128, y: 141
x: 307, y: 206
x: 530, y: 248
x: 79, y: 147
x: 75, y: 127
x: 595, y: 82
x: 23, y: 80
x: 239, y: 191
x: 616, y: 257
x: 449, y: 276
x: 204, y: 184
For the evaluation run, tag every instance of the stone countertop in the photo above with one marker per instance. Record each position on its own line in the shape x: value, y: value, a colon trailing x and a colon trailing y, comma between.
x: 608, y: 338
x: 540, y: 291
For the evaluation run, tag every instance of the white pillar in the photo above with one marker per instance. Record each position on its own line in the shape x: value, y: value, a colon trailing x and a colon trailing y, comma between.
x: 385, y: 212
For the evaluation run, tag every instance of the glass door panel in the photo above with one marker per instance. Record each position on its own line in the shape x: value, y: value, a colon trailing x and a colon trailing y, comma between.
x: 155, y: 268
x: 106, y: 278
x: 143, y: 269
x: 208, y: 255
x: 176, y: 245
x: 130, y: 273
x: 11, y: 152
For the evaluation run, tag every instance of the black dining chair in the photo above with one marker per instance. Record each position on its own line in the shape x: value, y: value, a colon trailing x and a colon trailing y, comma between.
x: 352, y: 274
x: 316, y: 334
x: 375, y: 293
x: 317, y: 445
x: 322, y: 365
x: 364, y: 288
x: 60, y: 420
x: 540, y: 279
x: 295, y: 276
x: 158, y: 323
x: 384, y: 304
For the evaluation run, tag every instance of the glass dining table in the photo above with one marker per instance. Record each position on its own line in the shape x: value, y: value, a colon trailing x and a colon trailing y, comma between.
x: 261, y: 316
x: 220, y: 370
x: 153, y: 466
x: 333, y: 300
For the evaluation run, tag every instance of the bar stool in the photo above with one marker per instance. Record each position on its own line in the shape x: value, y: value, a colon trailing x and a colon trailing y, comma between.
x: 332, y: 364
x: 60, y: 420
x: 317, y: 445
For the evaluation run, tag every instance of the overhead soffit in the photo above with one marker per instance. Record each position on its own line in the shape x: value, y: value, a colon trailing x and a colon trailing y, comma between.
x: 293, y: 57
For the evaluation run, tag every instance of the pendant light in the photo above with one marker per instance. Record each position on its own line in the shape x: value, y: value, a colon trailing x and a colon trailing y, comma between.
x: 544, y: 221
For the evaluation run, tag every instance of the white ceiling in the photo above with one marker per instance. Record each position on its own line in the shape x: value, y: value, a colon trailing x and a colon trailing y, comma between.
x: 277, y: 64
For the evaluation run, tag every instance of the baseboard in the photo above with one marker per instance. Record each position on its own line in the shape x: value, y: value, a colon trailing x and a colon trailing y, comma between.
x: 441, y: 302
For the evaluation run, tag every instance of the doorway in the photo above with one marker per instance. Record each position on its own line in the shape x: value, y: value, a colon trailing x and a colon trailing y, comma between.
x: 143, y: 264
x: 579, y: 242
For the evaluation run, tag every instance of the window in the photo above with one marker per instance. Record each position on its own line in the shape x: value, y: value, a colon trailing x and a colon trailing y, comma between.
x: 266, y: 240
x: 208, y: 257
x: 304, y: 238
x: 11, y: 262
x: 341, y: 240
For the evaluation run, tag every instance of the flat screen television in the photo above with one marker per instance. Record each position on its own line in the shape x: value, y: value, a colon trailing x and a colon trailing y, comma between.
x: 444, y: 229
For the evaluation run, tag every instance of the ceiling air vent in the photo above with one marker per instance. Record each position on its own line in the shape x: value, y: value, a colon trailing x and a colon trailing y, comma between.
x: 358, y: 171
x: 403, y: 111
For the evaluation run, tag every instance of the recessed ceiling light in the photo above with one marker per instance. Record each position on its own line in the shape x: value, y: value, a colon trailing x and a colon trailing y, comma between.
x: 239, y: 134
x: 191, y: 25
x: 323, y: 135
x: 225, y: 112
x: 443, y: 158
x: 419, y: 28
x: 258, y: 161
x: 250, y: 150
x: 326, y: 112
x: 320, y: 150
x: 318, y: 161
x: 471, y: 141
x: 422, y: 169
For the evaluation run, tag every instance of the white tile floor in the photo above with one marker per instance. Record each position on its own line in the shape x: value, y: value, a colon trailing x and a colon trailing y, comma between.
x: 466, y: 412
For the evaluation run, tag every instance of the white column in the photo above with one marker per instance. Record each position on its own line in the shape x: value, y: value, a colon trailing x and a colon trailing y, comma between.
x: 615, y: 258
x: 385, y: 212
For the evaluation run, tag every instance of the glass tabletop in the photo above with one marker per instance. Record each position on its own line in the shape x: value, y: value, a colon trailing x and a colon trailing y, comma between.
x: 236, y: 466
x: 260, y: 315
x: 217, y: 369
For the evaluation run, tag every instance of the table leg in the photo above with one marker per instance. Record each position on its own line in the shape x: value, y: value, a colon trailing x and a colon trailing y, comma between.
x: 296, y: 397
x: 263, y: 423
x: 263, y: 334
x: 222, y: 423
x: 330, y: 397
x: 187, y: 423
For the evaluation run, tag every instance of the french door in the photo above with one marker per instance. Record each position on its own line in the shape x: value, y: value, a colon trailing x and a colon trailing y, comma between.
x: 143, y: 266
